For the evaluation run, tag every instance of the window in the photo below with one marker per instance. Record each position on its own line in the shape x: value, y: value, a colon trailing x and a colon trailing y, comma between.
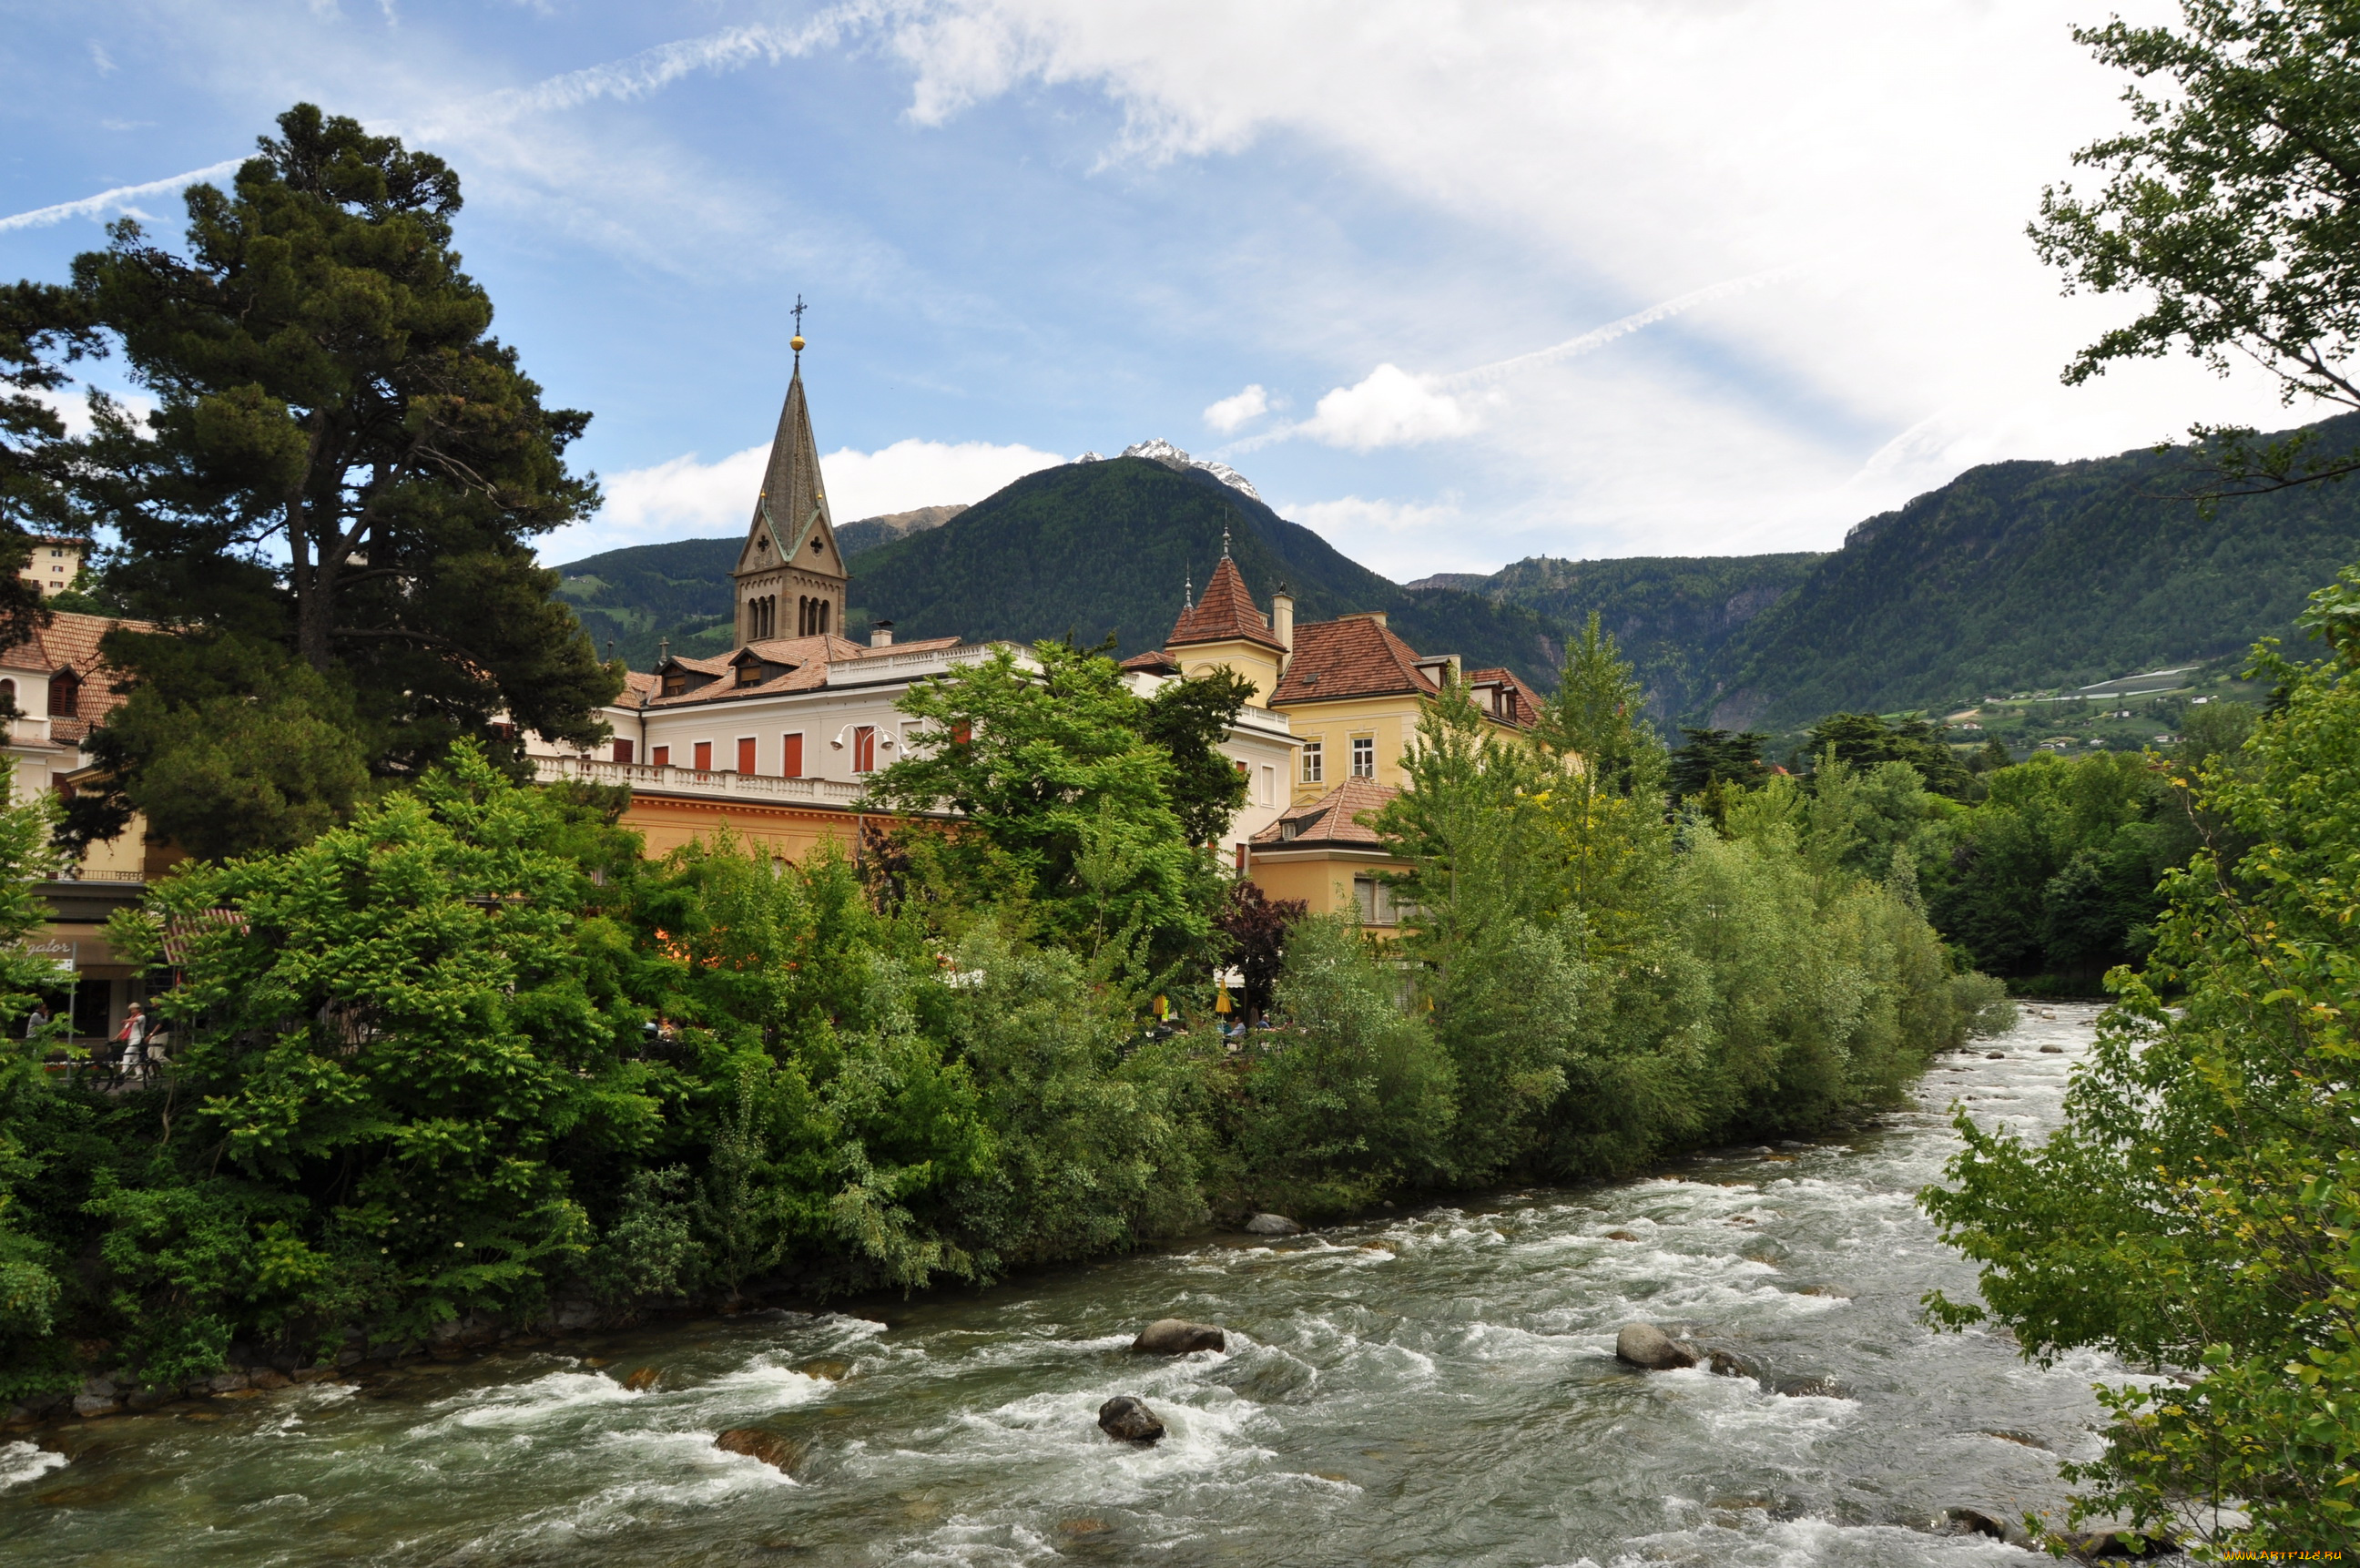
x: 660, y: 756
x: 864, y: 749
x: 1375, y: 901
x: 1269, y: 784
x: 1312, y: 763
x: 746, y: 754
x: 1364, y: 757
x: 704, y: 752
x: 622, y: 751
x: 675, y: 682
x: 791, y: 756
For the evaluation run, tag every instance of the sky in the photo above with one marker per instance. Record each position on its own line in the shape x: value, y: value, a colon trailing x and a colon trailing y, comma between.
x: 1453, y: 284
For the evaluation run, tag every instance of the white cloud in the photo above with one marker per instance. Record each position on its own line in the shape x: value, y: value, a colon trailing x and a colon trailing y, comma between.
x: 1237, y: 409
x: 1388, y: 406
x: 100, y: 59
x: 121, y: 199
x: 1402, y: 540
x: 687, y: 498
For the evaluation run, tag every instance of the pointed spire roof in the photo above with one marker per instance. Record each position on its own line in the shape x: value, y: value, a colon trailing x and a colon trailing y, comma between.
x: 792, y: 506
x: 1225, y: 614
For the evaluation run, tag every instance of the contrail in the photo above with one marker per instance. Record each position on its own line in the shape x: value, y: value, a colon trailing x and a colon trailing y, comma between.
x: 633, y: 76
x: 1598, y: 337
x: 120, y: 197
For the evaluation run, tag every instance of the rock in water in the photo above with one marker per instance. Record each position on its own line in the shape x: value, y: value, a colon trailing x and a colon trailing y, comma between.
x: 1176, y: 1336
x: 777, y: 1451
x: 1621, y: 1236
x: 1729, y: 1364
x: 1128, y: 1420
x: 1272, y: 1225
x: 642, y: 1380
x: 1814, y: 1389
x: 1644, y: 1344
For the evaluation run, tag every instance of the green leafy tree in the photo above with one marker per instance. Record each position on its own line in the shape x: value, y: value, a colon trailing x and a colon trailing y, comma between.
x: 43, y: 328
x: 1068, y: 807
x: 2198, y: 1209
x: 1189, y: 720
x: 343, y: 472
x: 1863, y: 739
x: 31, y: 1289
x: 396, y: 1040
x: 2232, y: 206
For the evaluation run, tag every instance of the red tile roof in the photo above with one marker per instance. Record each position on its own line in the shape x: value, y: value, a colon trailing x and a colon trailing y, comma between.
x: 1334, y: 820
x: 1155, y: 662
x: 1528, y: 702
x: 1225, y: 613
x: 69, y: 643
x: 1351, y: 657
x: 809, y: 657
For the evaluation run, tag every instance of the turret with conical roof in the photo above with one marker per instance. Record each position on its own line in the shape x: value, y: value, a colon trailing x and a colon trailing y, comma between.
x: 790, y: 577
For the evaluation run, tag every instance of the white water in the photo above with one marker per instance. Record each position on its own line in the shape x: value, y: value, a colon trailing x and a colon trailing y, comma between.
x: 1438, y: 1387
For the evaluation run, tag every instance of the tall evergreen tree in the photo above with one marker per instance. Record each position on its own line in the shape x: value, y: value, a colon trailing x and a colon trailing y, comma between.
x: 334, y: 500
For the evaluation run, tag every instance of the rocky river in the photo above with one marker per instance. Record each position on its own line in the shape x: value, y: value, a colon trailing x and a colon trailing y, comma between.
x: 1436, y: 1385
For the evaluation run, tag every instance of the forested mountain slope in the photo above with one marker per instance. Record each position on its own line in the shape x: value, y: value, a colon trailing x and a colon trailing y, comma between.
x: 1108, y: 548
x: 1672, y: 614
x: 2036, y: 574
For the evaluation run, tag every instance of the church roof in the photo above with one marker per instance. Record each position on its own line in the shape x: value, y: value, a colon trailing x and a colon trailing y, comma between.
x: 1225, y: 614
x: 793, y: 506
x: 805, y: 662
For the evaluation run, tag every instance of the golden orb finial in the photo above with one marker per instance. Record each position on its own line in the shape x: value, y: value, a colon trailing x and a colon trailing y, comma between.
x: 796, y: 344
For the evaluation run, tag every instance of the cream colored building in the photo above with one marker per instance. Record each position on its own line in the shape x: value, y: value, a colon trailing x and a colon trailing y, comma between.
x: 56, y: 562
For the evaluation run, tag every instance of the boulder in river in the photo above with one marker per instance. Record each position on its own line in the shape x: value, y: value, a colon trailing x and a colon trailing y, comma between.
x: 1272, y: 1225
x: 1994, y: 1056
x: 2052, y: 1050
x: 1620, y: 1236
x: 1644, y: 1344
x: 1127, y: 1419
x: 1177, y: 1336
x: 1729, y: 1364
x: 781, y: 1453
x: 642, y: 1380
x: 1975, y: 1521
x: 1814, y: 1389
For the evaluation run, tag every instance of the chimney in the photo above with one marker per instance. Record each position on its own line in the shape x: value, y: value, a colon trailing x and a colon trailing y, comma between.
x: 1281, y: 623
x: 1376, y: 615
x: 880, y: 635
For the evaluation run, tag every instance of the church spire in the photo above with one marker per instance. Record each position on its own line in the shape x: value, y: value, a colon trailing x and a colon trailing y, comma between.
x: 790, y: 578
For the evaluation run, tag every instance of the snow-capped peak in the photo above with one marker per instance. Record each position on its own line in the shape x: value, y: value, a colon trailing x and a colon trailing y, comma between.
x: 1156, y: 449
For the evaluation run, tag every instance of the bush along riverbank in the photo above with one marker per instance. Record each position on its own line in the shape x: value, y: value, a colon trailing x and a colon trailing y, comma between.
x: 466, y: 1065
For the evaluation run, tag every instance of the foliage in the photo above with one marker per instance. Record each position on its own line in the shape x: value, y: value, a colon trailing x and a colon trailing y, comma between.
x: 1356, y: 1098
x: 2055, y: 873
x: 42, y: 329
x: 2230, y: 207
x: 1865, y: 740
x: 1255, y: 926
x: 341, y: 464
x: 1189, y: 720
x: 30, y: 1264
x: 1068, y: 807
x: 2198, y: 1207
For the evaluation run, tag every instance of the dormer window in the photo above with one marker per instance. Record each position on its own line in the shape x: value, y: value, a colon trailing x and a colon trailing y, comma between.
x: 750, y: 675
x: 1289, y: 829
x: 675, y: 682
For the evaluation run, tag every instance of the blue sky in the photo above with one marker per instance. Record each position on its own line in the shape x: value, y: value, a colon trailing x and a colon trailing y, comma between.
x: 1777, y: 248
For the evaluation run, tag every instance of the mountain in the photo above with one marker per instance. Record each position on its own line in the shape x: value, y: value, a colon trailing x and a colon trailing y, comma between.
x: 1672, y: 615
x: 631, y: 597
x: 2025, y: 574
x: 1108, y: 547
x: 868, y: 533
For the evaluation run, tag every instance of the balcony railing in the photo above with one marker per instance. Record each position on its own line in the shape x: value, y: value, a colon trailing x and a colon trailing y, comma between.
x: 766, y: 788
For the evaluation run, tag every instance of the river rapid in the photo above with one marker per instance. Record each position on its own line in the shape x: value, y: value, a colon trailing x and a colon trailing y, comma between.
x: 1433, y: 1386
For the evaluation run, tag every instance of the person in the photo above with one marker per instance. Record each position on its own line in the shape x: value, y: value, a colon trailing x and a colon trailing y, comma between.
x: 132, y: 1040
x: 36, y: 1020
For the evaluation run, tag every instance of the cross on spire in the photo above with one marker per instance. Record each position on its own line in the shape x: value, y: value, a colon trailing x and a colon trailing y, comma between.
x: 798, y: 314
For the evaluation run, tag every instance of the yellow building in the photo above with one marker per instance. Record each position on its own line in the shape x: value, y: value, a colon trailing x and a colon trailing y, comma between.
x: 1351, y: 692
x: 55, y: 564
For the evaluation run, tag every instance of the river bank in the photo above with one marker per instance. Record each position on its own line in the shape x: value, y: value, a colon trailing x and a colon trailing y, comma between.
x: 1437, y: 1387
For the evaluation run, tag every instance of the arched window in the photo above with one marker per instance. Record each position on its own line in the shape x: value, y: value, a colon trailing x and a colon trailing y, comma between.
x: 823, y: 607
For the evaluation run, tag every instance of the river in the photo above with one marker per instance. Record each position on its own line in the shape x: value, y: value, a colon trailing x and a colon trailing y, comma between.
x: 1435, y: 1387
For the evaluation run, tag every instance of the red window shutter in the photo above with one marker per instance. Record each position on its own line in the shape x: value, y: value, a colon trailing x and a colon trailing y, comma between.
x: 660, y: 756
x: 622, y: 751
x: 790, y: 747
x: 704, y: 756
x: 746, y: 755
x: 864, y: 749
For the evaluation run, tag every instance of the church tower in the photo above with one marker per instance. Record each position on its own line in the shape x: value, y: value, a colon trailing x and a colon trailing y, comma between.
x: 790, y: 578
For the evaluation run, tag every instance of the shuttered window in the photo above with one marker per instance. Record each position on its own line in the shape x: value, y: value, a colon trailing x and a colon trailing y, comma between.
x: 790, y: 755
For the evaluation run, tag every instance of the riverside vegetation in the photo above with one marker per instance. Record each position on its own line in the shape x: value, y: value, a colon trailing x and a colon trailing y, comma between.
x: 466, y: 1054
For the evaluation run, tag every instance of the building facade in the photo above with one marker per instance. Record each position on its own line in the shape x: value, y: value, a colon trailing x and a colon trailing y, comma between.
x: 55, y: 563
